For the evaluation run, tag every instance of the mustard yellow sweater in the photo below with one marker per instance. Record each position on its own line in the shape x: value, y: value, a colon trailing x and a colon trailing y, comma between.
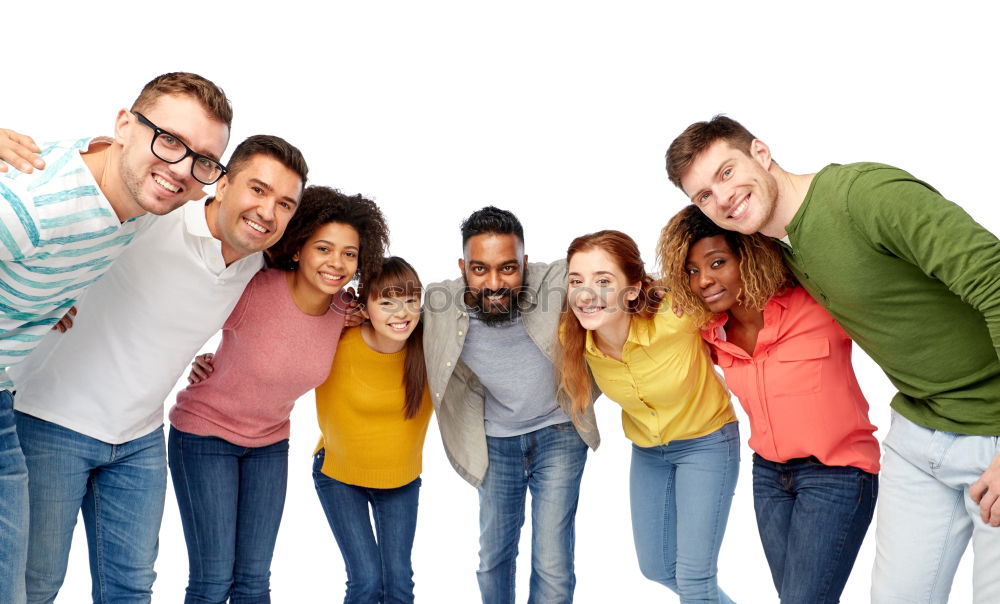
x: 368, y: 441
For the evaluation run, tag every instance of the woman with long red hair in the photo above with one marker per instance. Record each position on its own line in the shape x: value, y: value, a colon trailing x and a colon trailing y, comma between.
x: 685, y: 451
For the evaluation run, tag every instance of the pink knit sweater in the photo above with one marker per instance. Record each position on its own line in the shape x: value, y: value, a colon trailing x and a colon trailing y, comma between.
x: 271, y: 354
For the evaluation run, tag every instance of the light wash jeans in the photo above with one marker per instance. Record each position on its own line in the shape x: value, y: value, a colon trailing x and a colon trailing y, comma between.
x: 120, y: 489
x: 549, y: 462
x: 925, y: 516
x: 13, y: 506
x: 680, y: 495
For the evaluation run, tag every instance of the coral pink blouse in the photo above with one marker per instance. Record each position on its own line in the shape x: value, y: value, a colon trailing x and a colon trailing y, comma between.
x: 798, y: 387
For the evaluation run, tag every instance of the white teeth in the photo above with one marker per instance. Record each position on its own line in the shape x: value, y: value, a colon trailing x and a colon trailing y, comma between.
x: 591, y: 309
x: 253, y: 225
x: 331, y: 277
x: 399, y: 326
x: 166, y: 185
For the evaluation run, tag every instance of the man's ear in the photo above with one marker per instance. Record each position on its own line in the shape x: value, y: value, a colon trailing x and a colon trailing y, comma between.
x: 461, y: 265
x: 122, y: 123
x: 761, y: 153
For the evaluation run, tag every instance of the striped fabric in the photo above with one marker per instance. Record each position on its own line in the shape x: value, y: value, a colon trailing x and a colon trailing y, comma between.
x: 58, y: 234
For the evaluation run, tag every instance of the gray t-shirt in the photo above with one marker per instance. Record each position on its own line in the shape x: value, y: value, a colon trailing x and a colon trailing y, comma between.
x: 519, y: 379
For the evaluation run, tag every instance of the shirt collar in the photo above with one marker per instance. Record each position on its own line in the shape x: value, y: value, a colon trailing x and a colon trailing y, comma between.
x: 195, y: 219
x: 640, y: 332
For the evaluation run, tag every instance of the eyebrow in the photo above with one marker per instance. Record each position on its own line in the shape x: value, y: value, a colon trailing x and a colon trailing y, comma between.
x: 346, y: 247
x: 501, y: 263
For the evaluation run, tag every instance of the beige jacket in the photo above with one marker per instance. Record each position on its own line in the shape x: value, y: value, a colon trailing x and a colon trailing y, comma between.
x: 459, y: 398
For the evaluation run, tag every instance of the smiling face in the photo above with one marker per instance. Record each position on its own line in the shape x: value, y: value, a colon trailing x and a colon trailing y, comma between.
x: 733, y: 189
x: 599, y: 292
x: 327, y: 261
x: 393, y: 318
x: 714, y: 273
x: 252, y: 207
x: 493, y: 268
x: 151, y: 184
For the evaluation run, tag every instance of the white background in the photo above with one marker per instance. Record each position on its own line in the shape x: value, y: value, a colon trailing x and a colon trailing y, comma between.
x: 560, y: 112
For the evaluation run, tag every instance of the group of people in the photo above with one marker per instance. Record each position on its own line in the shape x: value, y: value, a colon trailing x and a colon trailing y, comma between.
x: 112, y: 282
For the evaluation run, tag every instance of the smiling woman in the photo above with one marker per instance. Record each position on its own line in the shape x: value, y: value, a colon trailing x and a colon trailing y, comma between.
x: 228, y: 443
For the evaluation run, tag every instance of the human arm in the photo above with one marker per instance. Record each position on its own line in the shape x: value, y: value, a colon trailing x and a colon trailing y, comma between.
x: 201, y: 367
x: 19, y: 151
x: 910, y: 220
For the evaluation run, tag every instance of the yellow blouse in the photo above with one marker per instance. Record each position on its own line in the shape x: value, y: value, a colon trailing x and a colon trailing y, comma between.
x: 664, y: 383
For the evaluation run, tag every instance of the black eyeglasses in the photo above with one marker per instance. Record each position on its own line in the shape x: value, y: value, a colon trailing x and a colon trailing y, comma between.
x: 172, y: 150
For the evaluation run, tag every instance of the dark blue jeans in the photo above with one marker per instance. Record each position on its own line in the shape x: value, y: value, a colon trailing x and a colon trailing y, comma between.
x: 230, y: 499
x: 812, y: 519
x: 548, y: 462
x: 378, y: 564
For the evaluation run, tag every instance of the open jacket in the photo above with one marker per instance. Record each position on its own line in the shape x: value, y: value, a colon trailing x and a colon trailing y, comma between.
x: 459, y: 398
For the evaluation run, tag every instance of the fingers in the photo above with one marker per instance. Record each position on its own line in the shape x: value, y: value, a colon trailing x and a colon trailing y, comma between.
x: 201, y: 368
x: 19, y: 151
x: 66, y: 321
x: 988, y: 499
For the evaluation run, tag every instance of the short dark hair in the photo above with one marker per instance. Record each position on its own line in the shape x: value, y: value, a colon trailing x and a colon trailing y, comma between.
x: 212, y: 98
x: 491, y: 220
x: 323, y: 205
x: 271, y: 146
x: 698, y: 137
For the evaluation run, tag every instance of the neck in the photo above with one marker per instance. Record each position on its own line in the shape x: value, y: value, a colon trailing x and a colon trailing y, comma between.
x: 378, y: 342
x: 102, y: 161
x: 792, y: 190
x: 611, y: 337
x: 307, y: 298
x: 229, y: 255
x: 742, y: 317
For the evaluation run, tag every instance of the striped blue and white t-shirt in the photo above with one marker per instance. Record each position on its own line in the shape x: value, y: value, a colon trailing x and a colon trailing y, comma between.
x: 58, y: 234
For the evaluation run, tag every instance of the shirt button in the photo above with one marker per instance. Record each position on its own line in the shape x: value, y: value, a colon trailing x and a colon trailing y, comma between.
x: 437, y: 394
x: 448, y: 364
x: 459, y: 332
x: 806, y: 275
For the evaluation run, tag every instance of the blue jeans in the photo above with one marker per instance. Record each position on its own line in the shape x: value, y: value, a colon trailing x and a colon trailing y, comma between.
x: 812, y: 519
x: 926, y: 517
x: 378, y: 563
x: 549, y: 462
x: 13, y: 506
x: 230, y: 499
x: 680, y: 495
x: 120, y: 490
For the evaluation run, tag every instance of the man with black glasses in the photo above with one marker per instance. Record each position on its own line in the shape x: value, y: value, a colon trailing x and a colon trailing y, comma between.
x: 61, y: 229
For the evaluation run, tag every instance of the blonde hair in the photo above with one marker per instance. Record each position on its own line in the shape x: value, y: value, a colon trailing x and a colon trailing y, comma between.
x: 762, y: 270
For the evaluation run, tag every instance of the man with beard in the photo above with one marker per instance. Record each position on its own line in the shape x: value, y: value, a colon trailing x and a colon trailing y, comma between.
x: 62, y: 228
x: 915, y: 281
x: 490, y: 343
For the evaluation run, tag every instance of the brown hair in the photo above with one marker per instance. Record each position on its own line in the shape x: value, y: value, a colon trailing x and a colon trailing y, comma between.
x: 574, y: 378
x: 762, y: 270
x: 211, y: 97
x: 271, y: 146
x: 397, y: 278
x: 698, y: 137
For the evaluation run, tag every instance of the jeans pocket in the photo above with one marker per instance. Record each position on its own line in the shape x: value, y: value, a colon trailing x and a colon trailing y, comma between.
x: 318, y: 461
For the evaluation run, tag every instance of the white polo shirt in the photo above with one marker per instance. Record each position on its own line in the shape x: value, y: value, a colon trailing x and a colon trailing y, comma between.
x: 135, y: 332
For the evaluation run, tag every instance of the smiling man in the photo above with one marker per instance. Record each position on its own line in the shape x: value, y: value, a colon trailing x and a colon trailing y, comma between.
x: 916, y: 283
x: 89, y: 403
x: 61, y: 229
x: 490, y: 344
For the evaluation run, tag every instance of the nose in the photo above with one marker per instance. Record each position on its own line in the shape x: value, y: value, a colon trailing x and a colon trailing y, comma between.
x: 265, y: 209
x: 705, y: 279
x: 493, y: 281
x: 182, y: 169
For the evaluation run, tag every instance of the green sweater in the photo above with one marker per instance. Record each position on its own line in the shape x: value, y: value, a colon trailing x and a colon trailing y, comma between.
x: 915, y: 281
